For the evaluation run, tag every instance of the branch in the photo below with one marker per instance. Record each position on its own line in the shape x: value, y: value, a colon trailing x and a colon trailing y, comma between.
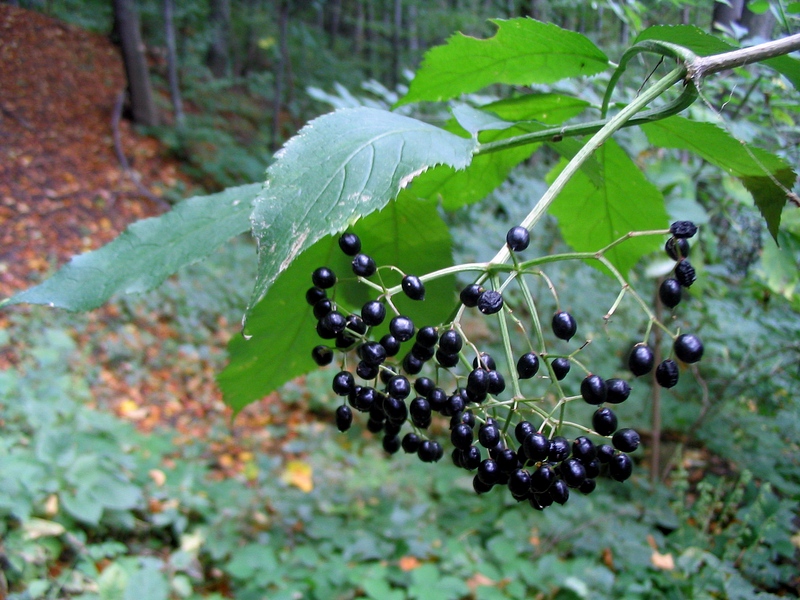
x: 707, y: 65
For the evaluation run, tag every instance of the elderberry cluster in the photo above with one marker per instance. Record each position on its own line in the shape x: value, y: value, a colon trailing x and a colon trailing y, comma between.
x: 491, y: 436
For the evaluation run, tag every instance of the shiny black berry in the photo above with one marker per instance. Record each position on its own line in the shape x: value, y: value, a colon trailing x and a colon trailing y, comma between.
x: 391, y: 344
x: 683, y: 229
x: 572, y: 472
x: 688, y: 348
x: 372, y: 353
x: 427, y: 337
x: 536, y: 446
x: 559, y: 491
x: 605, y: 453
x: 617, y: 390
x: 420, y: 411
x: 323, y: 278
x: 391, y: 444
x: 429, y: 451
x: 490, y: 302
x: 373, y: 313
x: 350, y: 244
x: 334, y: 321
x: 364, y: 266
x: 559, y: 449
x: 593, y: 389
x: 488, y: 471
x: 626, y: 440
x: 677, y: 248
x: 497, y: 383
x: 399, y: 387
x: 670, y: 292
x: 519, y: 482
x: 564, y: 325
x: 470, y: 294
x: 314, y: 295
x: 620, y: 467
x: 684, y: 273
x: 542, y: 478
x: 583, y: 449
x: 488, y: 435
x: 486, y: 362
x: 413, y: 364
x: 518, y: 238
x: 527, y: 365
x: 323, y: 307
x: 560, y: 367
x: 604, y: 421
x: 471, y: 458
x: 641, y: 359
x: 588, y: 486
x: 344, y: 417
x: 413, y: 287
x: 322, y: 355
x: 343, y: 383
x: 402, y: 328
x: 480, y: 487
x: 667, y: 373
x: 424, y: 386
x: 450, y: 342
x: 446, y: 360
x: 367, y: 371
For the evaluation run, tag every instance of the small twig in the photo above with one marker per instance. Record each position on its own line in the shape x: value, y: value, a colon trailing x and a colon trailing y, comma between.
x: 699, y: 67
x: 116, y: 116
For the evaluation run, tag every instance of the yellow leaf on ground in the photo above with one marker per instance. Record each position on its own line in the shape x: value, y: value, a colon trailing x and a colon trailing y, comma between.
x: 662, y: 561
x: 298, y: 474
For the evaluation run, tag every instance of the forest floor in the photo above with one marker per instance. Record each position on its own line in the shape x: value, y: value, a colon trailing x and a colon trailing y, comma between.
x: 63, y: 191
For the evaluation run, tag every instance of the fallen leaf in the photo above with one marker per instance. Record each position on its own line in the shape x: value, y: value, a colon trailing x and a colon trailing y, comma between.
x: 662, y: 561
x: 298, y: 473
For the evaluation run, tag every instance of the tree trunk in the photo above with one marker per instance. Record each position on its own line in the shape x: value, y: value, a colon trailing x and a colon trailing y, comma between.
x: 726, y: 14
x: 358, y: 42
x: 280, y: 70
x: 371, y: 39
x: 758, y: 26
x: 126, y: 25
x: 172, y: 62
x: 218, y: 58
x: 729, y: 17
x: 397, y: 30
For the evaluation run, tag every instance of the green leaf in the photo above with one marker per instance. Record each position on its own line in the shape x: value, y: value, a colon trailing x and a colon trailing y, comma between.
x: 407, y: 233
x: 705, y: 44
x: 591, y: 216
x: 547, y: 108
x: 340, y: 167
x: 522, y: 52
x: 757, y: 168
x: 147, y: 252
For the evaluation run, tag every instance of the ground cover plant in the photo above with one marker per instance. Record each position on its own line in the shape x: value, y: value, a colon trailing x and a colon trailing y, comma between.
x: 354, y: 249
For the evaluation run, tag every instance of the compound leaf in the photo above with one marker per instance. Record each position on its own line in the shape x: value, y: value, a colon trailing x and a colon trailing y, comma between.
x: 756, y: 168
x: 340, y: 167
x: 407, y: 233
x: 592, y: 216
x: 522, y: 52
x: 147, y: 252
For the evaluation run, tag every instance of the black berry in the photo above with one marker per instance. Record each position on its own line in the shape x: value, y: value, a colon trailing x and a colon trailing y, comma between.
x: 604, y: 421
x: 471, y: 458
x: 573, y: 472
x: 350, y: 244
x: 518, y: 238
x: 519, y: 482
x: 399, y: 387
x: 670, y: 292
x: 391, y: 344
x: 527, y: 365
x: 620, y: 467
x: 564, y: 325
x: 490, y: 302
x: 367, y: 371
x: 583, y: 449
x: 593, y: 389
x: 413, y: 287
x: 683, y: 229
x: 617, y: 390
x: 536, y: 446
x: 429, y: 451
x: 372, y: 353
x: 402, y: 328
x: 314, y: 295
x: 497, y: 384
x: 322, y: 355
x: 323, y: 278
x: 410, y: 443
x: 688, y: 348
x: 605, y: 453
x: 450, y: 342
x: 424, y: 385
x: 412, y: 364
x: 427, y: 337
x: 677, y: 248
x: 446, y: 360
x: 684, y: 273
x: 559, y: 449
x: 343, y: 383
x: 391, y: 444
x: 470, y: 294
x: 588, y: 486
x: 488, y: 471
x: 488, y: 435
x: 542, y: 478
x: 486, y: 362
x: 626, y: 440
x: 560, y: 367
x: 323, y: 307
x: 641, y: 359
x: 559, y: 491
x: 667, y: 374
x: 344, y: 417
x: 373, y: 313
x: 364, y: 266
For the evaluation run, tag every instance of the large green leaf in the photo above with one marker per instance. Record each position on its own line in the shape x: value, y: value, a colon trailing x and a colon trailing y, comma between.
x: 705, y: 44
x: 340, y: 167
x: 758, y: 169
x: 147, y: 252
x: 407, y: 233
x: 591, y: 216
x: 522, y: 52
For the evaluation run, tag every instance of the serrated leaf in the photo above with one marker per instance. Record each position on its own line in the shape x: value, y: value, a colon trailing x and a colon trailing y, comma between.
x: 756, y: 168
x: 705, y: 44
x: 522, y: 52
x: 340, y: 167
x: 407, y: 233
x: 591, y: 217
x: 547, y: 108
x: 147, y: 252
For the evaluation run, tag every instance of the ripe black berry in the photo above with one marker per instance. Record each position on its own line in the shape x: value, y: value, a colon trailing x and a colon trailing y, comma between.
x: 506, y: 459
x: 343, y: 383
x: 573, y: 472
x: 314, y: 295
x: 364, y: 266
x: 391, y: 444
x: 626, y: 440
x: 344, y: 417
x: 583, y: 449
x: 322, y: 355
x: 395, y: 409
x: 527, y: 365
x: 334, y: 321
x: 488, y: 435
x: 486, y: 362
x: 564, y: 325
x: 688, y: 348
x: 488, y: 471
x: 605, y: 453
x: 410, y: 443
x: 523, y: 430
x: 390, y: 344
x: 402, y: 328
x: 437, y: 399
x: 677, y: 248
x: 588, y: 486
x: 542, y: 478
x: 420, y: 411
x: 399, y: 387
x: 641, y: 359
x: 427, y: 337
x: 592, y: 467
x: 604, y: 421
x: 454, y: 405
x: 670, y: 292
x: 350, y: 244
x: 593, y: 389
x: 413, y: 287
x: 323, y: 278
x: 367, y: 371
x: 363, y: 399
x: 620, y: 467
x: 683, y: 229
x: 559, y: 491
x: 450, y: 342
x: 536, y: 446
x: 446, y: 360
x: 559, y: 449
x: 412, y: 364
x: 617, y: 390
x: 322, y: 308
x: 497, y: 384
x: 481, y: 487
x: 470, y: 294
x: 490, y: 302
x: 478, y: 383
x: 471, y: 458
x: 560, y: 367
x: 518, y: 238
x: 519, y: 482
x: 428, y: 451
x: 667, y: 374
x: 372, y: 353
x: 684, y: 273
x: 373, y: 313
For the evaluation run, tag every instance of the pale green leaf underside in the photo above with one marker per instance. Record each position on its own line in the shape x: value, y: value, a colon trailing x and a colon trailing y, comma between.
x: 407, y: 233
x: 522, y: 52
x: 591, y: 217
x: 340, y: 167
x: 754, y: 166
x: 147, y: 252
